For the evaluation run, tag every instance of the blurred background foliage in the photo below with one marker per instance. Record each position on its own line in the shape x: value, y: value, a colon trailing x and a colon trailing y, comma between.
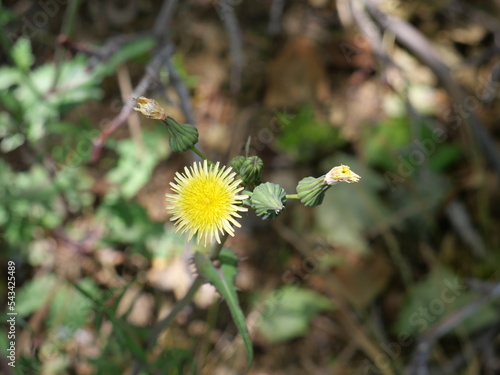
x: 399, y: 272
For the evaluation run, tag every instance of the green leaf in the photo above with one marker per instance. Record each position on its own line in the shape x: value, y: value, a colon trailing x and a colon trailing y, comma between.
x: 9, y: 76
x: 123, y: 331
x: 382, y: 143
x: 135, y: 164
x: 190, y: 81
x: 436, y: 298
x: 175, y: 361
x: 6, y: 16
x: 304, y: 136
x: 21, y: 54
x: 445, y: 156
x: 28, y: 365
x: 11, y: 142
x: 124, y: 54
x: 229, y: 267
x: 34, y: 294
x: 30, y: 199
x: 287, y: 312
x: 70, y: 309
x: 75, y: 85
x: 223, y: 280
x: 127, y: 222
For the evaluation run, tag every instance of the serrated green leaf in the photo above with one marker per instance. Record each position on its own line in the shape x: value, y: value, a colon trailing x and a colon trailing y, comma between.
x: 136, y: 165
x: 223, y: 281
x: 287, y: 312
x: 127, y: 222
x: 75, y: 85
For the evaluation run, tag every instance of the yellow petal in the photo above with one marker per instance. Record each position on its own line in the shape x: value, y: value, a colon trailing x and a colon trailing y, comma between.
x: 206, y: 201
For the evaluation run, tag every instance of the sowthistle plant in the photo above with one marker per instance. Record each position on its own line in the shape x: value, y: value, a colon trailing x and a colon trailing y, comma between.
x: 208, y: 198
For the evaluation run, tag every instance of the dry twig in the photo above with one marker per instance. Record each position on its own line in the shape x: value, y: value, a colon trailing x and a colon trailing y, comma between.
x: 228, y: 17
x: 419, y: 362
x: 162, y: 55
x: 416, y: 43
x: 147, y: 80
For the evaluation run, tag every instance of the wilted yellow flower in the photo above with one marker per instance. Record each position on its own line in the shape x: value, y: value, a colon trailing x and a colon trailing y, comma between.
x: 206, y: 202
x: 150, y: 108
x: 342, y: 173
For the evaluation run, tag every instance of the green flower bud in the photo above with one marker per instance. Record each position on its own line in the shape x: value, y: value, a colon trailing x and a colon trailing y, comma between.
x: 311, y: 190
x: 251, y: 170
x: 236, y: 163
x: 182, y: 137
x: 268, y: 200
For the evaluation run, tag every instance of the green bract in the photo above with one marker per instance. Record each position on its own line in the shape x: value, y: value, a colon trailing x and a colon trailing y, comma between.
x: 251, y: 170
x: 237, y: 162
x: 268, y: 200
x: 311, y: 191
x: 182, y: 137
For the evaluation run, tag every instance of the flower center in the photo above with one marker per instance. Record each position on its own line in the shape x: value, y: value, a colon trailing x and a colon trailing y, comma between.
x: 207, y: 201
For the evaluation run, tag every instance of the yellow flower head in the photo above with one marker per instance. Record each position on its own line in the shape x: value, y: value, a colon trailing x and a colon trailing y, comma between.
x: 342, y: 173
x: 206, y: 201
x: 150, y: 108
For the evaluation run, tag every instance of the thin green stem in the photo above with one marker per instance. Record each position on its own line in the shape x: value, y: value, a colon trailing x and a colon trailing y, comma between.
x: 212, y: 315
x: 200, y: 154
x: 160, y: 326
x: 180, y: 305
x: 217, y: 247
x: 66, y: 30
x: 292, y: 196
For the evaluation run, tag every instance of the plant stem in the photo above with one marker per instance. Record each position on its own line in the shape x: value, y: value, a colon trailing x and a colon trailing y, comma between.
x: 66, y: 30
x: 217, y: 247
x: 200, y: 154
x: 180, y: 305
x: 292, y: 196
